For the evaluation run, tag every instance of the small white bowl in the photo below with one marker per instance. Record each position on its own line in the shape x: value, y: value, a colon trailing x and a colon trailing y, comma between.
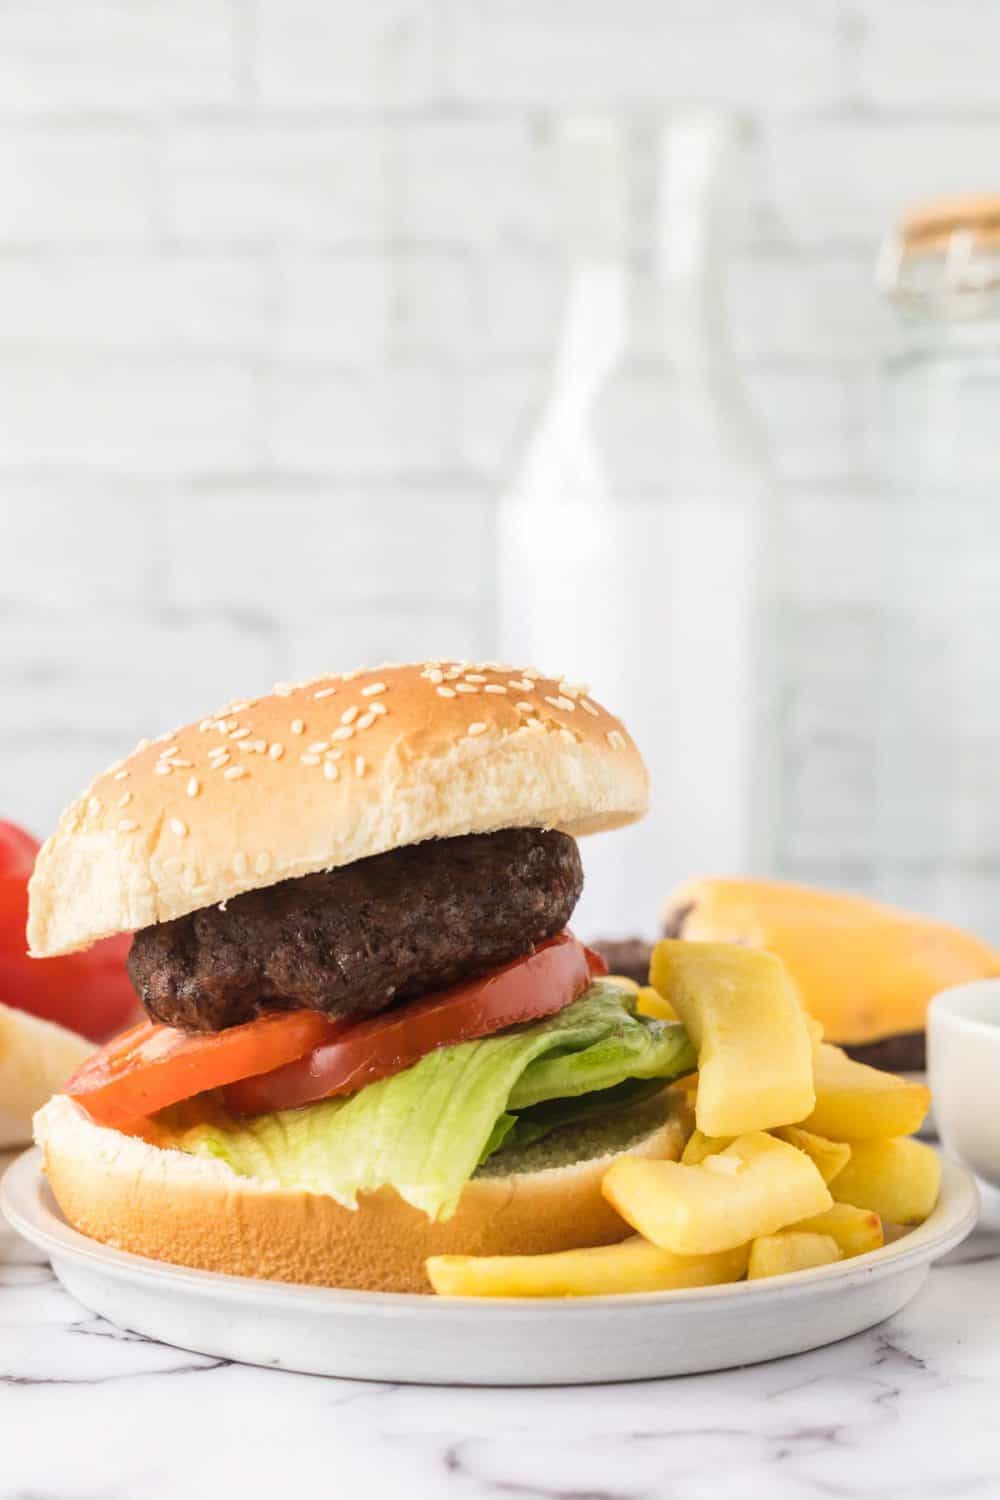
x: 963, y: 1069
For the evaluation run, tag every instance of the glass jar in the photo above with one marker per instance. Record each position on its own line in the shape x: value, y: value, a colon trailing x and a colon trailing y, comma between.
x: 938, y: 835
x: 632, y: 541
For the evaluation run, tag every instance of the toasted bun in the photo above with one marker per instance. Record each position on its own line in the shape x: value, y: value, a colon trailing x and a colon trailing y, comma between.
x: 319, y: 775
x: 36, y: 1058
x: 194, y: 1211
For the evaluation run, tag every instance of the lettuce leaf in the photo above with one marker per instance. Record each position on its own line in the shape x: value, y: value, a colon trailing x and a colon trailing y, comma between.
x: 425, y: 1131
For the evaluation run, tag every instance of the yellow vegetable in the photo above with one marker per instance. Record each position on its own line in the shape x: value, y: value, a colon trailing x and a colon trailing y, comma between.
x: 699, y: 1146
x: 855, y: 1102
x: 795, y: 1250
x: 897, y: 1179
x: 745, y: 1021
x: 756, y: 1185
x: 632, y: 1266
x: 654, y: 1005
x: 830, y: 1157
x: 856, y: 1230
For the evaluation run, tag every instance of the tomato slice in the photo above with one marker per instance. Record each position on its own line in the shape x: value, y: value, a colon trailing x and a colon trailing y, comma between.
x: 539, y: 984
x: 152, y: 1066
x: 88, y: 992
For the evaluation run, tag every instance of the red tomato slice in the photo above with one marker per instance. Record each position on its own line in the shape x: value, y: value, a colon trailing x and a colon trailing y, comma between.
x: 539, y: 984
x: 152, y: 1066
x: 89, y: 992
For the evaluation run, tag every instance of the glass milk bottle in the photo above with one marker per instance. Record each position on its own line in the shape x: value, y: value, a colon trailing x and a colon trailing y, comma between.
x: 632, y: 541
x: 938, y: 834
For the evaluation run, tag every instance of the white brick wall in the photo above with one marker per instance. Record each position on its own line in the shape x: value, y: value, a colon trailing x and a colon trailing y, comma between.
x: 279, y: 283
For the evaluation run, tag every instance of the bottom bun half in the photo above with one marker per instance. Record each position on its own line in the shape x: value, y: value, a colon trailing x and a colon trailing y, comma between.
x: 195, y: 1211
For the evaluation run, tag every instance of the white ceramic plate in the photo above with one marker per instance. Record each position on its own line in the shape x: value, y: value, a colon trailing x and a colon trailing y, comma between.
x: 473, y: 1341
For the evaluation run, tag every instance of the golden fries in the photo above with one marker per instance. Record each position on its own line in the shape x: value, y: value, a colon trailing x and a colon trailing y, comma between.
x: 794, y: 1250
x: 856, y: 1230
x: 755, y: 1186
x: 830, y: 1156
x: 897, y: 1179
x: 745, y: 1020
x: 632, y: 1266
x: 855, y: 1102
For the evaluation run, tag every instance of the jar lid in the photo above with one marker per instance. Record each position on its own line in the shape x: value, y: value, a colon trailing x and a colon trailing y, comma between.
x: 945, y: 255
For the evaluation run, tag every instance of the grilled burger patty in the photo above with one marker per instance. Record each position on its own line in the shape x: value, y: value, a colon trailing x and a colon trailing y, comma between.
x: 352, y: 941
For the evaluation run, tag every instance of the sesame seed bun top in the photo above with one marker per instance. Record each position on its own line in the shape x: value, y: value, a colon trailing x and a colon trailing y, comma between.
x: 323, y: 773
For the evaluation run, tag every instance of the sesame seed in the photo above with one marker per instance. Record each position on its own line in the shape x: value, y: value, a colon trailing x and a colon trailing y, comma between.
x: 240, y: 734
x: 125, y: 799
x: 350, y: 676
x: 169, y: 750
x: 162, y: 768
x: 566, y: 704
x: 350, y: 714
x: 178, y: 826
x: 474, y: 677
x: 343, y: 733
x: 521, y: 683
x: 234, y: 773
x: 333, y: 755
x: 378, y: 709
x: 535, y: 724
x: 616, y: 739
x: 143, y: 745
x: 373, y: 689
x: 478, y: 728
x: 434, y: 675
x: 179, y: 765
x: 204, y: 726
x: 262, y: 863
x: 524, y: 708
x: 360, y: 765
x: 121, y: 775
x: 330, y: 770
x: 220, y: 761
x: 298, y: 727
x: 127, y: 825
x: 94, y: 805
x: 366, y: 721
x: 251, y: 747
x: 327, y: 692
x: 318, y: 746
x: 588, y: 707
x: 239, y: 705
x: 446, y: 692
x: 277, y: 750
x: 282, y: 689
x: 240, y: 863
x: 465, y: 687
x: 309, y: 760
x: 193, y: 787
x: 494, y: 687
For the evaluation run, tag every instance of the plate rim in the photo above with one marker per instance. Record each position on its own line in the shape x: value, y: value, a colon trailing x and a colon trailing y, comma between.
x: 22, y: 1203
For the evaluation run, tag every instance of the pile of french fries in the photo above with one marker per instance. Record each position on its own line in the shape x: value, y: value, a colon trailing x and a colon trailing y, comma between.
x: 799, y: 1156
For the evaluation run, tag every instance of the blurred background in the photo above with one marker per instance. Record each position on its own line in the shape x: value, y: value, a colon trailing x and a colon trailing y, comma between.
x: 330, y: 335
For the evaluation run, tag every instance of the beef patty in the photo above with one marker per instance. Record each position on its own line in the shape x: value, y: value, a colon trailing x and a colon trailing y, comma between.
x: 351, y: 941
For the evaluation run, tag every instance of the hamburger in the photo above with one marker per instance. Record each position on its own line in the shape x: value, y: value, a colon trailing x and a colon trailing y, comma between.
x: 371, y: 1036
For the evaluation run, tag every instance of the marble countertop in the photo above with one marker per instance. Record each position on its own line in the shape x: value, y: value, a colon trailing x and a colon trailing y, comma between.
x: 909, y: 1409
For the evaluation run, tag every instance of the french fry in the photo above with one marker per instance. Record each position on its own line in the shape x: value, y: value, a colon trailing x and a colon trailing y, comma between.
x: 632, y: 1266
x: 621, y: 982
x: 855, y: 1102
x: 746, y: 1023
x: 856, y: 1230
x: 652, y: 1004
x: 755, y: 1186
x: 792, y: 1250
x: 830, y: 1157
x: 699, y: 1146
x: 897, y: 1179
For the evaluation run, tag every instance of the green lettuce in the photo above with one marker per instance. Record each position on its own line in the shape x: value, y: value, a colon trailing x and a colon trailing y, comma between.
x: 424, y: 1131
